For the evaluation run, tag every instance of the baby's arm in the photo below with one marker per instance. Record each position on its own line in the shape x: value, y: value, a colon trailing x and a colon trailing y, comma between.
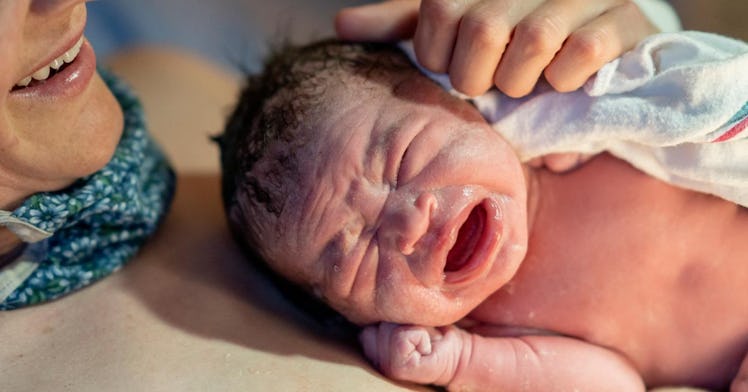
x: 451, y: 357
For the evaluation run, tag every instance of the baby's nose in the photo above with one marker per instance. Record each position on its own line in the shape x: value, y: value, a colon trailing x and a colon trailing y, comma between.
x: 416, y: 222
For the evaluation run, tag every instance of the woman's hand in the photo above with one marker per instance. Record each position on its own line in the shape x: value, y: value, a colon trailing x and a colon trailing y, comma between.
x: 506, y: 43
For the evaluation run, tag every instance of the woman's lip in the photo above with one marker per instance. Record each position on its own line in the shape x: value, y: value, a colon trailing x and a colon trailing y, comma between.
x: 485, y: 249
x: 59, y: 52
x: 70, y: 81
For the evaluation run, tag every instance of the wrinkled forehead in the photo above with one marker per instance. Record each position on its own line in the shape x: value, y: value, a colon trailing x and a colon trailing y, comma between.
x: 340, y: 138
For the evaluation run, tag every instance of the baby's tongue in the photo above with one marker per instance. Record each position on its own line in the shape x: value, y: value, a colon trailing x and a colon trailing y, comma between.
x: 467, y: 238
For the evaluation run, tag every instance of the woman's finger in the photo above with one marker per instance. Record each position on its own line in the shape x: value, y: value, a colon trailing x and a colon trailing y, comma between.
x: 538, y: 37
x: 591, y: 46
x: 386, y: 21
x: 438, y: 21
x: 482, y: 35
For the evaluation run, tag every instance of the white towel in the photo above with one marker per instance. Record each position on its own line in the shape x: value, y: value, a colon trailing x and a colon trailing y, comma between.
x: 675, y: 107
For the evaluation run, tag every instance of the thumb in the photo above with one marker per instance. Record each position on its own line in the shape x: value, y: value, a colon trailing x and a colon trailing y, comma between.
x: 386, y: 21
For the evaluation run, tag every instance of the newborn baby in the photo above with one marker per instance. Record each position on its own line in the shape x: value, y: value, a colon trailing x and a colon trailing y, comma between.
x: 354, y: 176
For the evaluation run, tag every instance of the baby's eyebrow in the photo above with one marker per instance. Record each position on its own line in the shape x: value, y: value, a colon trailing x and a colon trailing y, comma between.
x: 377, y: 146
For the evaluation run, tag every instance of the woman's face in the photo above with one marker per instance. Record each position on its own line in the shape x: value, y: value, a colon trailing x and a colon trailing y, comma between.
x: 63, y: 122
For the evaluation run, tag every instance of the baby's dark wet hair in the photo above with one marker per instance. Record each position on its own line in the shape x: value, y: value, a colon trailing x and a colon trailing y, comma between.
x: 275, y: 108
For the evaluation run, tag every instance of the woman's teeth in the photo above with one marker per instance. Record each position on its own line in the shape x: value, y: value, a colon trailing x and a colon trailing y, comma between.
x: 44, y: 72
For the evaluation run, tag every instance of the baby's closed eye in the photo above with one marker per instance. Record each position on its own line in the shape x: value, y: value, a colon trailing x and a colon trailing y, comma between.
x: 399, y: 172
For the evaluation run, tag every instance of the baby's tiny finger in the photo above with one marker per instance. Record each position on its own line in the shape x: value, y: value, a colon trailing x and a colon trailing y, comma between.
x: 419, y: 339
x: 591, y: 46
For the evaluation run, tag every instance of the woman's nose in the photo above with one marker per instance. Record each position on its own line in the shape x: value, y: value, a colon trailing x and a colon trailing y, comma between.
x: 415, y: 222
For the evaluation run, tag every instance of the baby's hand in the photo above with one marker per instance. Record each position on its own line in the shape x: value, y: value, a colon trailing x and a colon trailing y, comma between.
x: 560, y: 162
x: 507, y: 43
x: 418, y: 354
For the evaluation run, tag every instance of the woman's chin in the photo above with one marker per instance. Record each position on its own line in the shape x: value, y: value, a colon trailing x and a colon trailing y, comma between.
x: 105, y: 126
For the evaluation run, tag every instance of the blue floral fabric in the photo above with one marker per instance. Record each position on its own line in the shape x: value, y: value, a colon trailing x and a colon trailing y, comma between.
x: 98, y: 223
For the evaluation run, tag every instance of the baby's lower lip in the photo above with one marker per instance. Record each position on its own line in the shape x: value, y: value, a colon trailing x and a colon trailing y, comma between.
x: 69, y: 81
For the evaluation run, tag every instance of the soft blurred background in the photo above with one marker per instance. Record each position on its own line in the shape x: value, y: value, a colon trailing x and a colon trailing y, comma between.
x: 719, y: 16
x: 235, y: 32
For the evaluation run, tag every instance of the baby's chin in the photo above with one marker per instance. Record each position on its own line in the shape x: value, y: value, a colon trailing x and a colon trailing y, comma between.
x: 408, y: 312
x: 447, y: 310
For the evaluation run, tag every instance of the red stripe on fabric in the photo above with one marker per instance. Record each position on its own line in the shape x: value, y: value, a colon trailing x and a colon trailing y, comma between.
x: 739, y: 127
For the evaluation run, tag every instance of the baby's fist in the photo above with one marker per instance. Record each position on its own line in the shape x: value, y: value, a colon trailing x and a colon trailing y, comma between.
x: 418, y: 354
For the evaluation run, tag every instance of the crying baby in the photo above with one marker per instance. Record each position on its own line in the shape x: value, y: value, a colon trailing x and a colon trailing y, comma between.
x: 354, y: 176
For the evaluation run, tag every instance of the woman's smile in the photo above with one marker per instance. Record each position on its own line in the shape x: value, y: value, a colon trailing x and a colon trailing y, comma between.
x: 65, y: 75
x: 43, y: 73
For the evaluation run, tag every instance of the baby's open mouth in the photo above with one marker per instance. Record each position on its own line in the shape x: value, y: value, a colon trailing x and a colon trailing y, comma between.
x: 468, y: 237
x: 44, y: 73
